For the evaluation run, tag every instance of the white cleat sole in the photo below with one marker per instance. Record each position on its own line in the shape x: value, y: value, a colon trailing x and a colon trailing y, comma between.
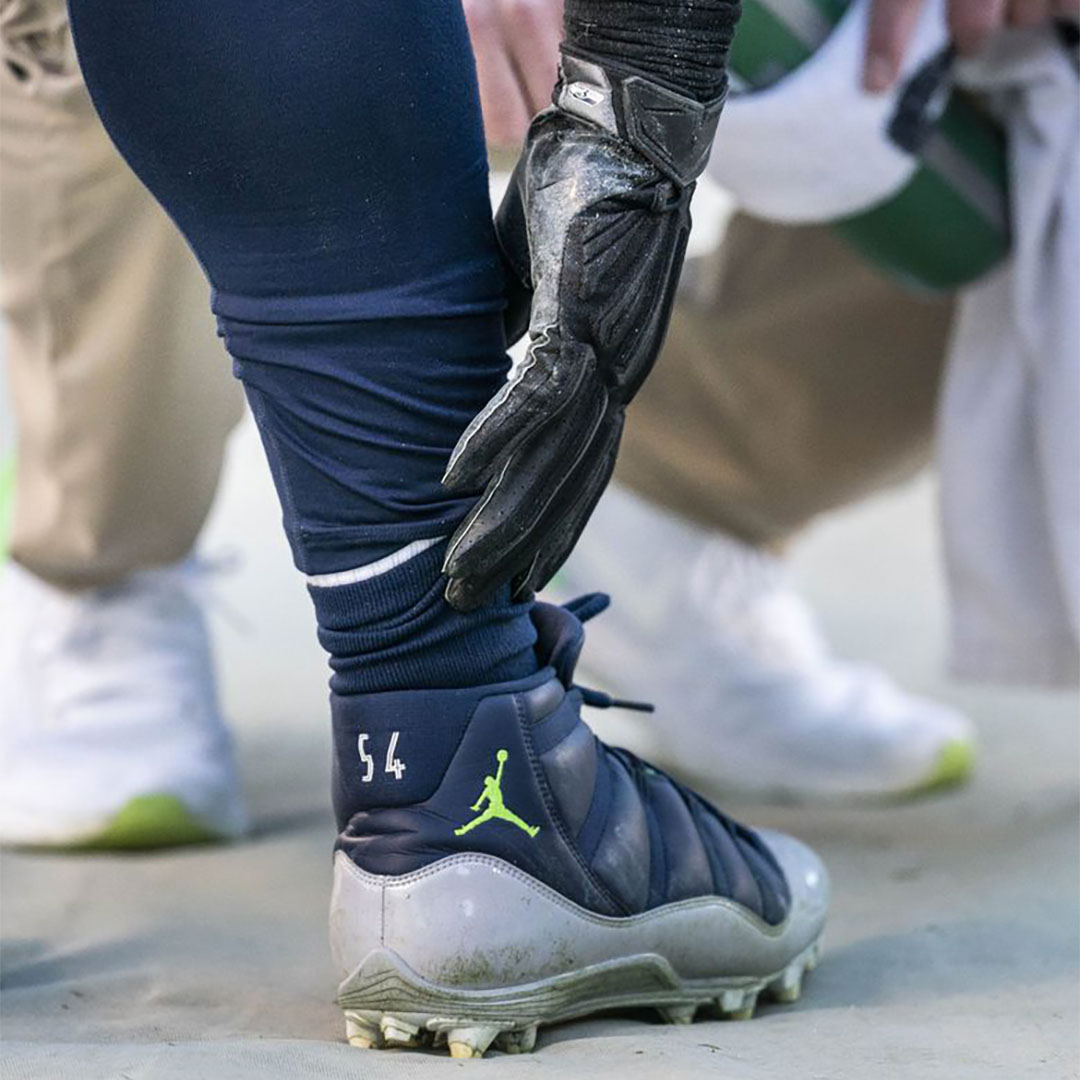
x: 388, y: 1005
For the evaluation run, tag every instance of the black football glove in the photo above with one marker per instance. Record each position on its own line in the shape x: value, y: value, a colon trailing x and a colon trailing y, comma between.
x: 594, y: 229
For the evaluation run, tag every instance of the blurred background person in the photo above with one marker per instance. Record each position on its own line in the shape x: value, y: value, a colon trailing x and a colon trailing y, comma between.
x: 110, y: 730
x: 809, y: 378
x: 802, y: 382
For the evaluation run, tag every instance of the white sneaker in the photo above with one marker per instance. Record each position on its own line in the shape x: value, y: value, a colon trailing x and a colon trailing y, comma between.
x: 110, y: 734
x: 749, y: 697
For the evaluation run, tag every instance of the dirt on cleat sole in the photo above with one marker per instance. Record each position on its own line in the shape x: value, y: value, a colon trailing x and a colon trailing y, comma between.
x: 386, y: 1004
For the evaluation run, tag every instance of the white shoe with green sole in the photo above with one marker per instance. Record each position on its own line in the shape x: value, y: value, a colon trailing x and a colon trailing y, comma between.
x: 753, y: 700
x: 110, y: 732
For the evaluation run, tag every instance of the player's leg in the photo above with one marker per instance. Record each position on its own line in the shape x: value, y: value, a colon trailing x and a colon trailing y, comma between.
x: 110, y: 730
x: 328, y: 169
x: 327, y: 165
x: 804, y: 380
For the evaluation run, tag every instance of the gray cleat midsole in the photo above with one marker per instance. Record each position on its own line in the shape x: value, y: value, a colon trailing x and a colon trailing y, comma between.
x: 472, y: 940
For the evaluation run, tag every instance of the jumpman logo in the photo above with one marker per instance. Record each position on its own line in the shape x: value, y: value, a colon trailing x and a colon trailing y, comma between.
x: 496, y: 808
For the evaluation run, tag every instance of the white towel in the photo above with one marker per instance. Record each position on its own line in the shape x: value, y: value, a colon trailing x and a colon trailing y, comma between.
x: 1008, y: 438
x: 813, y: 147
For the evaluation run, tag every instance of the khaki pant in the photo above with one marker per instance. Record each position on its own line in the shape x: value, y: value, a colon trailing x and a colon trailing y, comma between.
x: 794, y: 379
x: 122, y: 393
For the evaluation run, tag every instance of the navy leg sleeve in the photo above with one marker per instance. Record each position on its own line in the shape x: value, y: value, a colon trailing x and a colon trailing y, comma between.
x: 326, y: 163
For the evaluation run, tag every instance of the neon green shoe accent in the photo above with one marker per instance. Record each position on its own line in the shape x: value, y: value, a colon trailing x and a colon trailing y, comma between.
x: 496, y: 808
x: 955, y: 763
x: 954, y: 766
x: 151, y: 821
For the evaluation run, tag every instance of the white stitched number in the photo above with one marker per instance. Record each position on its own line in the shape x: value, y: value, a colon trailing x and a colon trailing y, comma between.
x: 393, y: 765
x: 366, y: 758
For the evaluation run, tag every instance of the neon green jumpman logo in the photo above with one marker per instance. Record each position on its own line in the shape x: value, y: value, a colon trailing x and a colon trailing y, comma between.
x: 492, y: 795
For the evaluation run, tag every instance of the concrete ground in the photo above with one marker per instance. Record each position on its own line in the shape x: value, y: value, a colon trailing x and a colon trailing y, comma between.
x: 952, y: 950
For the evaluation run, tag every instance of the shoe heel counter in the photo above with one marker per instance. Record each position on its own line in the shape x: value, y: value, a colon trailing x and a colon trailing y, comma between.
x: 357, y: 915
x: 461, y: 922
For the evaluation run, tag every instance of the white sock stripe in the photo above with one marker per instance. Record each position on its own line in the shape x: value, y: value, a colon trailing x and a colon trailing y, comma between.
x: 371, y: 570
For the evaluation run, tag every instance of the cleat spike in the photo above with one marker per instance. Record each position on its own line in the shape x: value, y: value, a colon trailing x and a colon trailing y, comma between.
x: 788, y: 987
x: 471, y: 1042
x: 678, y: 1014
x: 359, y: 1032
x: 730, y: 1001
x: 517, y: 1042
x: 745, y: 1011
x: 396, y: 1032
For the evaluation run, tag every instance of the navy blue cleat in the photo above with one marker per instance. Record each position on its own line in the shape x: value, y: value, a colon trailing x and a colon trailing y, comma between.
x: 499, y: 868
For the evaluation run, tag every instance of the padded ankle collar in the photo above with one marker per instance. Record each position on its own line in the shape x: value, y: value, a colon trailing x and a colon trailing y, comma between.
x: 421, y: 729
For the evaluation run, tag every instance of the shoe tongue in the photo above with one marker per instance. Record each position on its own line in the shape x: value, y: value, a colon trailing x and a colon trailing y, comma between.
x: 560, y: 637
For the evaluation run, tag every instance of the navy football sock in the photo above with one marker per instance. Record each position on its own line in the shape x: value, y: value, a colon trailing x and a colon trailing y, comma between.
x: 326, y: 163
x: 395, y: 631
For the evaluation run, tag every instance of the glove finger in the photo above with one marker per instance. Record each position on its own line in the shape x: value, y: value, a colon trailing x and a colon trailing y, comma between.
x: 548, y: 381
x: 468, y: 594
x: 566, y: 530
x: 515, y: 501
x: 564, y: 517
x: 499, y: 539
